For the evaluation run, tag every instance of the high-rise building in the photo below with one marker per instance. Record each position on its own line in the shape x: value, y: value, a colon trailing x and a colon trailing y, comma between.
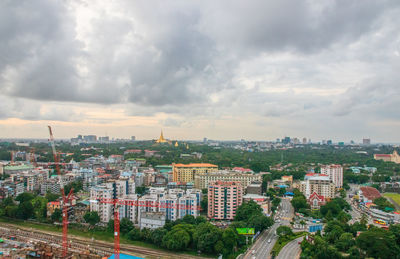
x: 105, y: 210
x: 318, y: 183
x: 223, y: 199
x: 186, y: 172
x: 304, y: 141
x: 286, y: 140
x: 133, y: 138
x: 168, y: 204
x: 90, y: 138
x: 335, y: 173
x: 366, y: 141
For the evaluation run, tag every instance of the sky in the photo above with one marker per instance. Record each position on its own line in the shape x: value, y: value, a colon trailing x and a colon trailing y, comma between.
x: 255, y: 69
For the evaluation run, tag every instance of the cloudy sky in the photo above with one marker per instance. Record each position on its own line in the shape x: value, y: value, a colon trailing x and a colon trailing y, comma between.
x: 218, y: 69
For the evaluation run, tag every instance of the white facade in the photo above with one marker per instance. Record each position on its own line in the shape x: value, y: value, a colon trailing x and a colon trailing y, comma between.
x: 152, y: 220
x: 188, y: 206
x: 320, y: 184
x: 169, y: 205
x: 335, y: 173
x: 105, y: 210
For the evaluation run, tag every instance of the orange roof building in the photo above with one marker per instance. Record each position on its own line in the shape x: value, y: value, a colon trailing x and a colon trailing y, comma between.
x: 186, y: 172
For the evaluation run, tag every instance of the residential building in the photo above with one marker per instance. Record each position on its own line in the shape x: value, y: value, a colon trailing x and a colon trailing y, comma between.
x: 188, y: 206
x: 318, y: 183
x: 368, y: 194
x: 204, y: 179
x: 169, y: 205
x: 223, y: 199
x: 105, y: 210
x: 335, y: 173
x: 186, y: 172
x: 254, y: 188
x: 152, y: 220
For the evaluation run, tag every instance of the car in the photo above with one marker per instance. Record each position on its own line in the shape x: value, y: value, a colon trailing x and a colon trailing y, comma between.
x: 269, y: 240
x: 253, y: 252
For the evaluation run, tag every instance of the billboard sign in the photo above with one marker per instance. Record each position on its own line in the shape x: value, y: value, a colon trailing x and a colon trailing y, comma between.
x: 245, y: 231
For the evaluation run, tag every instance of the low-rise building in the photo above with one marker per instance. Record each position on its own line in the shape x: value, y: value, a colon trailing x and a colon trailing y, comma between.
x: 152, y: 220
x: 203, y: 180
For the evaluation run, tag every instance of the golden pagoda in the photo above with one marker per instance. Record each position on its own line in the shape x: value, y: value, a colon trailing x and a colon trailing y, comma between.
x: 161, y: 139
x: 176, y: 144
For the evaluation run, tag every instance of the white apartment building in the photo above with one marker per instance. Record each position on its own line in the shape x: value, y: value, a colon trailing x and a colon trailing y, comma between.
x: 318, y: 183
x: 335, y: 173
x: 188, y: 206
x: 147, y: 203
x: 105, y: 210
x: 169, y: 205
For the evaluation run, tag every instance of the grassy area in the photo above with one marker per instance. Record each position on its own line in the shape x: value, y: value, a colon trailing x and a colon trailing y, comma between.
x: 282, y: 241
x: 394, y: 196
x: 96, y: 234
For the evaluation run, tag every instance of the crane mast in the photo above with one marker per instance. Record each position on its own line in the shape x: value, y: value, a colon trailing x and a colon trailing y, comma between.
x: 65, y: 199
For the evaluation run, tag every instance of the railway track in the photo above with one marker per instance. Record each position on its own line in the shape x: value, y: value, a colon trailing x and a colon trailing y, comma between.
x: 79, y: 244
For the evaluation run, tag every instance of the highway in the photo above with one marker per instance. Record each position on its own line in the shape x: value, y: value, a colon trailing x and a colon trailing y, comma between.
x: 292, y: 250
x: 264, y: 244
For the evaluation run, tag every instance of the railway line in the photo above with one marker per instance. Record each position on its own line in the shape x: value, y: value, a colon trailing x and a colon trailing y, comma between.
x: 80, y: 244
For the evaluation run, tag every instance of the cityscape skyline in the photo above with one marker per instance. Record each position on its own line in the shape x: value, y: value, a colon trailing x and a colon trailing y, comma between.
x: 254, y: 70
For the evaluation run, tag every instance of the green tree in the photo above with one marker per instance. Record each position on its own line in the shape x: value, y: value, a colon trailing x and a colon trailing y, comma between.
x: 378, y: 243
x: 157, y: 235
x: 56, y: 216
x: 247, y: 210
x: 25, y: 210
x: 345, y: 241
x: 134, y: 234
x: 260, y: 222
x: 205, y: 237
x: 140, y: 190
x: 204, y: 203
x: 110, y: 226
x: 26, y: 196
x: 125, y: 225
x: 52, y: 196
x: 189, y: 219
x: 177, y: 240
x: 230, y: 240
x: 92, y: 218
x: 284, y: 231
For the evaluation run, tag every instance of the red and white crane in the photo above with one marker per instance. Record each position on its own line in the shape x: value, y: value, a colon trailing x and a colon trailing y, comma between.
x: 65, y: 198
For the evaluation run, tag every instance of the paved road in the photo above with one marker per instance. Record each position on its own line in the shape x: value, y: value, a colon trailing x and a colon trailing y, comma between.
x: 263, y: 246
x: 292, y: 250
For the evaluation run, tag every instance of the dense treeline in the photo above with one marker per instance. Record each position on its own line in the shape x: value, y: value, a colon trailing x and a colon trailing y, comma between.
x: 340, y: 240
x: 198, y: 235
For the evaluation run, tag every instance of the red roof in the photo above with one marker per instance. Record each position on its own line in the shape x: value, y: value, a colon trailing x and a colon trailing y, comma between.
x: 383, y: 155
x: 133, y: 151
x: 315, y: 195
x: 370, y: 193
x: 315, y: 174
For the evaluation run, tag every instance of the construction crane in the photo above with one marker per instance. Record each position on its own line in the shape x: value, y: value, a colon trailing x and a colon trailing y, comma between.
x: 65, y: 198
x: 117, y: 202
x: 32, y: 158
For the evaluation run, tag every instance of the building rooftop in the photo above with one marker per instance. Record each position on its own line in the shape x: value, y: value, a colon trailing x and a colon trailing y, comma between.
x: 195, y: 165
x: 370, y: 192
